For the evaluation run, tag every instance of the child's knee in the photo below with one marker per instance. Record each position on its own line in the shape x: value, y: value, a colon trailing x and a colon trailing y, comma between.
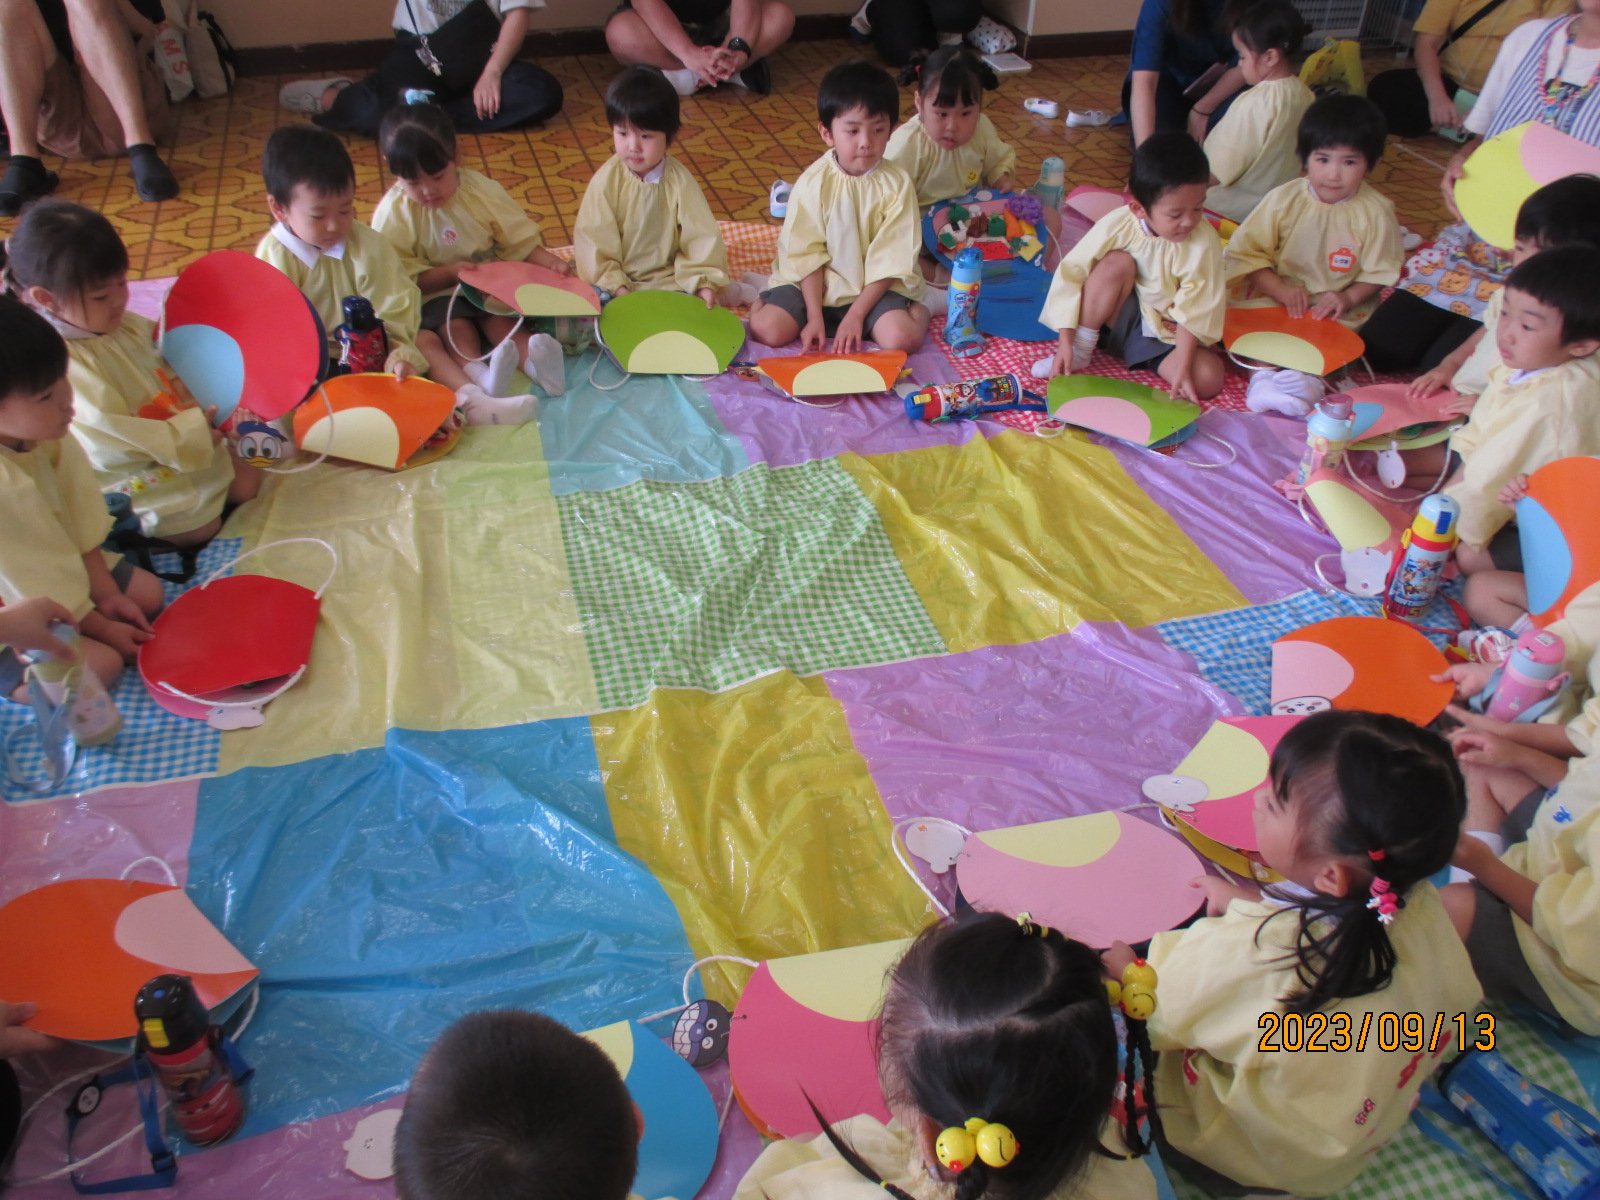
x: 1117, y: 266
x: 773, y: 326
x: 101, y: 659
x: 429, y: 343
x: 1473, y: 559
x: 900, y: 330
x: 144, y: 589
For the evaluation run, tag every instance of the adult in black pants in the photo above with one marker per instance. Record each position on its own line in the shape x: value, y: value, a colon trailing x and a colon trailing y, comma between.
x: 701, y: 43
x: 1183, y: 72
x: 902, y: 29
x: 479, y: 81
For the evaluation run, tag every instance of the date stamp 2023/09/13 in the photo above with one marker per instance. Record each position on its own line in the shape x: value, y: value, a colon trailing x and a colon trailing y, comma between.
x: 1339, y: 1032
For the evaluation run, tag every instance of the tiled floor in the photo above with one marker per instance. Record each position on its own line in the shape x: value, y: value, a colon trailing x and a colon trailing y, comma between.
x: 735, y: 142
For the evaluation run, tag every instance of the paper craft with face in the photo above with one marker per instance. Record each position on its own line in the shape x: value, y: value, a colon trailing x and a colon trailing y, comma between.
x: 532, y: 290
x: 700, y: 1034
x: 1072, y: 875
x: 669, y: 333
x: 937, y: 843
x: 1210, y: 795
x: 1508, y: 168
x: 1119, y: 408
x: 82, y: 948
x: 378, y: 420
x: 242, y: 337
x: 805, y: 1026
x: 1560, y: 535
x: 1270, y: 335
x: 834, y: 374
x: 679, y: 1145
x: 1362, y: 663
x: 1367, y: 528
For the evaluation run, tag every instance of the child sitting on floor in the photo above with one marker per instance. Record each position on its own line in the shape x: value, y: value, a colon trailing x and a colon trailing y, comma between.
x: 1530, y: 918
x: 1004, y: 1021
x: 1324, y: 246
x: 1360, y: 809
x: 1251, y: 148
x: 515, y: 1104
x: 644, y: 222
x: 1148, y: 277
x: 439, y: 218
x: 54, y: 516
x: 1564, y: 212
x: 145, y: 436
x: 318, y: 243
x: 847, y: 255
x: 949, y: 147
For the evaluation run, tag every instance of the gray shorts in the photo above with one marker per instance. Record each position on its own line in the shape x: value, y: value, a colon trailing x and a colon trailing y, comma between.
x: 789, y: 298
x: 433, y: 311
x: 1505, y: 548
x: 1124, y: 335
x: 1492, y: 941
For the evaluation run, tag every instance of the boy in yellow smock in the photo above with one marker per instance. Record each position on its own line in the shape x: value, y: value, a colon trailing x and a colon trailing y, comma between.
x: 1251, y: 148
x: 644, y: 222
x: 318, y: 243
x: 847, y: 255
x: 1147, y: 277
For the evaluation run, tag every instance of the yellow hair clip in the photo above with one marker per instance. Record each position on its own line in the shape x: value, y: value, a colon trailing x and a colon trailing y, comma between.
x: 1030, y: 927
x: 959, y: 1146
x: 1136, y: 994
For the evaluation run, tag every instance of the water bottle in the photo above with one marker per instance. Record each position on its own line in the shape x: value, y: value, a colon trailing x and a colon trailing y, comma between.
x: 363, y: 344
x: 92, y: 715
x: 1531, y: 675
x: 1328, y: 431
x: 961, y: 321
x: 1052, y: 183
x: 1424, y: 550
x: 969, y: 398
x: 178, y: 1039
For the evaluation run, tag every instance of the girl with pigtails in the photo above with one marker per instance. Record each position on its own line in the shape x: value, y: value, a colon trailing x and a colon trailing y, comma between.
x: 1000, y: 1061
x: 1299, y: 1020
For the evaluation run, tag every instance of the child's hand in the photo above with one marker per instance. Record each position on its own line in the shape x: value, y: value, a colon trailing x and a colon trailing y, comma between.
x: 813, y: 334
x: 1220, y: 893
x: 1469, y: 678
x: 1116, y: 958
x: 1329, y: 306
x: 847, y: 338
x: 16, y: 1038
x: 620, y: 291
x: 1294, y: 298
x: 1428, y: 383
x: 1472, y: 854
x: 1478, y: 748
x: 112, y: 623
x: 550, y: 262
x: 1516, y: 490
x: 26, y: 626
x: 709, y: 295
x: 1004, y: 184
x: 1183, y: 388
x: 1476, y: 722
x: 403, y: 371
x: 211, y: 421
x: 1461, y: 406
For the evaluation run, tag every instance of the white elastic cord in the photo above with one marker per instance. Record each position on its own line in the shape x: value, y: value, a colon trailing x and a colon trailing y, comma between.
x: 449, y: 317
x: 1233, y: 455
x: 905, y: 863
x: 260, y: 701
x: 291, y: 541
x: 1316, y: 565
x: 172, y: 878
x: 835, y: 402
x: 689, y: 974
x: 605, y: 353
x: 1444, y: 470
x: 322, y: 455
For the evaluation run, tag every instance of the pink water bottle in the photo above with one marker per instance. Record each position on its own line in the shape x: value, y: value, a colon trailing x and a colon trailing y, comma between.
x: 1531, y: 678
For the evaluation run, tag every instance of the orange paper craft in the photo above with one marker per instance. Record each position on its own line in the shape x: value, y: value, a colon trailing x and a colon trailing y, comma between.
x: 377, y: 419
x: 834, y: 374
x: 1272, y: 336
x: 1362, y: 663
x: 1559, y: 535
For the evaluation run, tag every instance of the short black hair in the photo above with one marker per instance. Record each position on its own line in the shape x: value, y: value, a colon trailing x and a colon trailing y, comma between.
x: 1564, y: 279
x: 1335, y: 121
x: 515, y: 1104
x: 1164, y: 161
x: 298, y: 154
x: 642, y: 97
x: 1271, y: 25
x: 952, y: 76
x: 416, y: 140
x: 64, y: 248
x: 33, y: 358
x: 855, y: 85
x: 1563, y: 212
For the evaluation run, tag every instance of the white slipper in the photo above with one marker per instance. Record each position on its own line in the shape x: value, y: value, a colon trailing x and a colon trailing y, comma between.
x: 305, y: 95
x: 1091, y: 118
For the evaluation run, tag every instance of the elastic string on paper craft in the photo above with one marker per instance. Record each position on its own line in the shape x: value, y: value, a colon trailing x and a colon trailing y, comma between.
x: 1444, y: 470
x: 606, y: 354
x: 166, y: 868
x: 895, y: 836
x: 689, y: 974
x: 310, y: 541
x: 449, y: 317
x: 322, y: 455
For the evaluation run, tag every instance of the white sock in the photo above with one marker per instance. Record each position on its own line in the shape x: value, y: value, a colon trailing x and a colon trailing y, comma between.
x: 936, y: 300
x: 480, y: 408
x: 737, y: 294
x: 1291, y: 393
x: 498, y: 370
x: 477, y: 372
x: 684, y: 81
x: 1083, y: 343
x: 545, y: 364
x: 1041, y: 369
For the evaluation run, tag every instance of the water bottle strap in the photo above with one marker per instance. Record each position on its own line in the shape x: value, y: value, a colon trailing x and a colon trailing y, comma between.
x: 163, y: 1171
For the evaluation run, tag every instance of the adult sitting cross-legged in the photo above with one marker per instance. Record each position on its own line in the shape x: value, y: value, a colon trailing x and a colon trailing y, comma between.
x: 702, y: 43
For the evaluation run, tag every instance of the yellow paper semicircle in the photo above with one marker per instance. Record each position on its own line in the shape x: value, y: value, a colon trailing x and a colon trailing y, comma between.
x: 1228, y: 760
x: 542, y: 300
x: 1494, y: 182
x: 366, y: 435
x: 1281, y: 350
x: 844, y: 984
x: 672, y: 352
x: 617, y: 1041
x: 1069, y: 842
x: 839, y: 378
x: 1354, y: 523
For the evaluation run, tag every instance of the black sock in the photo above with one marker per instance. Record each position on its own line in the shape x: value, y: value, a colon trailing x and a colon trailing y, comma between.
x: 25, y: 179
x: 151, y: 176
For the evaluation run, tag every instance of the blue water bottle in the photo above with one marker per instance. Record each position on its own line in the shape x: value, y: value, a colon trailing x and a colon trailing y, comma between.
x: 1052, y: 182
x: 961, y: 319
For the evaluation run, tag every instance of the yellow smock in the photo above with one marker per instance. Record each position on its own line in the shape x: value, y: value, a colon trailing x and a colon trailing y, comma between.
x: 940, y: 174
x: 480, y: 223
x: 53, y: 515
x: 635, y: 234
x: 1252, y: 148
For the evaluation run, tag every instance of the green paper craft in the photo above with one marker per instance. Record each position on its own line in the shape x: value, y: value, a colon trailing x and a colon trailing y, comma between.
x: 1120, y: 408
x: 669, y: 333
x: 531, y: 290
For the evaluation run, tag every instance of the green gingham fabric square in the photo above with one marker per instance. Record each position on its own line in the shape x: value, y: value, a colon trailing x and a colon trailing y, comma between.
x: 708, y: 585
x: 1414, y: 1167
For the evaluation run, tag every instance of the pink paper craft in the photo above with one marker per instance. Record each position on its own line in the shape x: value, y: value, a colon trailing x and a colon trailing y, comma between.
x: 1223, y: 813
x: 521, y: 286
x: 1112, y: 415
x: 1095, y: 202
x: 1383, y: 408
x: 1071, y: 874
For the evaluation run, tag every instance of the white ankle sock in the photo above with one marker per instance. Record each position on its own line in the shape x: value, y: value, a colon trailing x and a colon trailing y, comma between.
x: 1083, y: 343
x: 546, y: 365
x: 477, y: 372
x: 498, y: 370
x: 480, y: 408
